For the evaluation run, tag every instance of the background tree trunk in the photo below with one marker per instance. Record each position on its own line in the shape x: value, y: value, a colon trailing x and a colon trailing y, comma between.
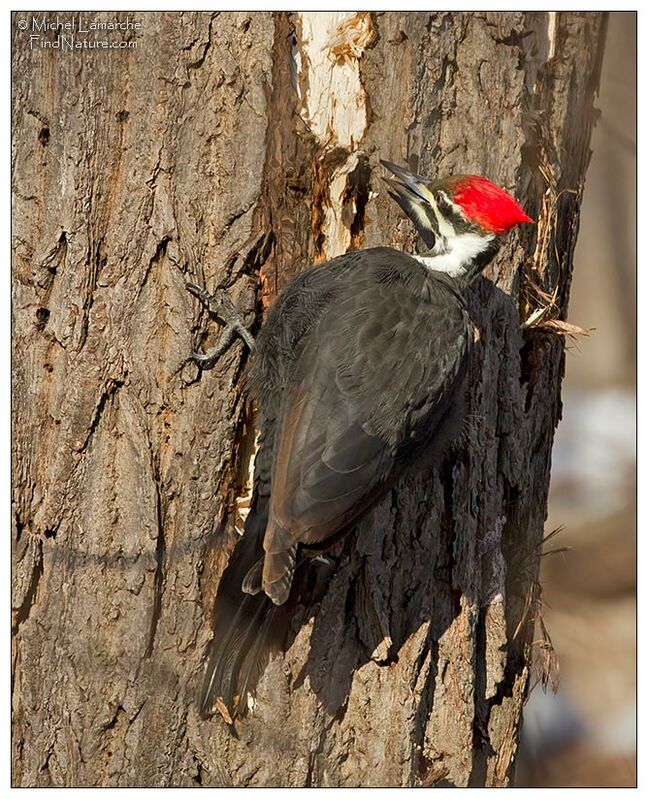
x: 137, y: 169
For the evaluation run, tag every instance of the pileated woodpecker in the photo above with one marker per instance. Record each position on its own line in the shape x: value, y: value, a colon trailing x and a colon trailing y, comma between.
x: 359, y: 368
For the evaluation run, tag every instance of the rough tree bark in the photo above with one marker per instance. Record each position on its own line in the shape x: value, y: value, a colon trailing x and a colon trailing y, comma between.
x: 135, y: 170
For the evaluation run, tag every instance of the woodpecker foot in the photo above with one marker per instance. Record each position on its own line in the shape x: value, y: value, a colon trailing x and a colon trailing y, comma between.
x: 247, y: 260
x: 325, y: 560
x: 221, y: 305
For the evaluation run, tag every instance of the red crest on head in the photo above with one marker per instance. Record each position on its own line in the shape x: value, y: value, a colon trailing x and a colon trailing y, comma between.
x: 487, y: 205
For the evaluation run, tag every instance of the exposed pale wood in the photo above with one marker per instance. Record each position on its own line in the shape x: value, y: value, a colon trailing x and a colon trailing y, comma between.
x: 137, y: 170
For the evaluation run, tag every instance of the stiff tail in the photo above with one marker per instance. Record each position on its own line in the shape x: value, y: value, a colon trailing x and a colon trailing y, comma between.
x: 247, y: 631
x: 239, y: 655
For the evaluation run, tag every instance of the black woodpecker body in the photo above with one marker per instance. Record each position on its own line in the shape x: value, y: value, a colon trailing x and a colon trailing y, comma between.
x: 359, y: 370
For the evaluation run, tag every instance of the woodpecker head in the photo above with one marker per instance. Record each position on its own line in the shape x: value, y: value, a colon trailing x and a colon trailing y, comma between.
x: 461, y: 218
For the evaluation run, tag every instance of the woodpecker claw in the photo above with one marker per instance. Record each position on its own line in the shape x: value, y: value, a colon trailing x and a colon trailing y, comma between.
x: 206, y: 359
x: 192, y: 288
x: 221, y: 305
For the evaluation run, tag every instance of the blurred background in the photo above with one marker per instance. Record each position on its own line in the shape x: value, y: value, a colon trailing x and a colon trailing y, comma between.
x: 585, y: 735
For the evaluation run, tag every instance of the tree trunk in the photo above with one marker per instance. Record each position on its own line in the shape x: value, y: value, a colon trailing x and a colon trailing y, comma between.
x: 138, y: 169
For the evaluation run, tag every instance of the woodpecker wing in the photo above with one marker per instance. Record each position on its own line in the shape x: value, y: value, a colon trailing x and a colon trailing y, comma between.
x: 375, y: 377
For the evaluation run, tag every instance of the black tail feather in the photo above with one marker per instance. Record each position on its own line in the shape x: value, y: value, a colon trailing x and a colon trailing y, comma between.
x: 248, y: 629
x: 261, y: 649
x: 237, y: 658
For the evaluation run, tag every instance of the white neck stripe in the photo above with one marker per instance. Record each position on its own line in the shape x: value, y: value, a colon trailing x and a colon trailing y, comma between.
x: 459, y: 254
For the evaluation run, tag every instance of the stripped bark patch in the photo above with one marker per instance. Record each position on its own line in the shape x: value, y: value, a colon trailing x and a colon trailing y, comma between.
x: 331, y: 47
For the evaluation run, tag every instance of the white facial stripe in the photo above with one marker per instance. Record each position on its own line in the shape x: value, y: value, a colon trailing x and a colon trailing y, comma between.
x: 421, y: 215
x: 457, y: 208
x: 445, y: 228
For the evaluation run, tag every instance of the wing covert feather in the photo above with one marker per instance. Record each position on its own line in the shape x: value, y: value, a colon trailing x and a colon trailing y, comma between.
x: 378, y: 371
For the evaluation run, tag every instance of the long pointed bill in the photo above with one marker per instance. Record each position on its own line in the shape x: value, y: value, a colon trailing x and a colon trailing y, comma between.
x: 411, y: 195
x: 415, y: 183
